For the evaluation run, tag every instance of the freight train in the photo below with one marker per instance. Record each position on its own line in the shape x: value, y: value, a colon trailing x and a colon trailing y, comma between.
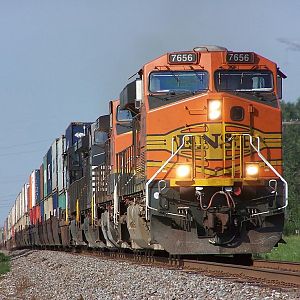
x: 188, y: 161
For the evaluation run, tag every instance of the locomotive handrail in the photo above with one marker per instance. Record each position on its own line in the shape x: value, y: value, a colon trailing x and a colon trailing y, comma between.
x: 158, y: 171
x: 257, y: 149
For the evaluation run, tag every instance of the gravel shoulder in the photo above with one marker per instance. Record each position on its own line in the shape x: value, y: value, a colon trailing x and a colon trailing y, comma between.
x: 47, y: 275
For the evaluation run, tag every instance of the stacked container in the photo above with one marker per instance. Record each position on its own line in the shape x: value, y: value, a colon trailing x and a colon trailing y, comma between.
x: 54, y: 178
x: 42, y: 211
x: 41, y: 183
x: 60, y: 164
x: 18, y: 208
x: 54, y: 165
x: 48, y: 207
x: 61, y: 176
x: 55, y: 204
x: 34, y: 188
x: 49, y: 171
x: 45, y: 176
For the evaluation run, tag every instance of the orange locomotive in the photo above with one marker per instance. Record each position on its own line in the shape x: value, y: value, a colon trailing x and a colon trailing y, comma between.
x: 204, y: 171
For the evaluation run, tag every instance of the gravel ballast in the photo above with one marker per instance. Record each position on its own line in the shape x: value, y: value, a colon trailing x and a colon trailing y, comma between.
x: 57, y: 275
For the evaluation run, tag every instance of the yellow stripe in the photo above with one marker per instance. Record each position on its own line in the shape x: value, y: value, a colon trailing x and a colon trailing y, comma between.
x: 215, y: 182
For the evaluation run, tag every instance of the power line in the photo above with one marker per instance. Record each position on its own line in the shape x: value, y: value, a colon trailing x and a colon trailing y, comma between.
x: 19, y: 153
x: 24, y: 144
x: 6, y: 200
x: 7, y: 195
x: 11, y: 181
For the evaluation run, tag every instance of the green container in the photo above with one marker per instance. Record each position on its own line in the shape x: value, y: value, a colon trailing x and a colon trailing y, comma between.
x: 62, y: 201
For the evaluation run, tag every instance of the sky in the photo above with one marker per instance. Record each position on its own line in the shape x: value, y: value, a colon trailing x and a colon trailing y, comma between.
x: 62, y: 61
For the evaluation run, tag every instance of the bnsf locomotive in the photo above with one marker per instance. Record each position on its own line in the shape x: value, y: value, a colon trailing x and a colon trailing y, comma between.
x: 189, y: 160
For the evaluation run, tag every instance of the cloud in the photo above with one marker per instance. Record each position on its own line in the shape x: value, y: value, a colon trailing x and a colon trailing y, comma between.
x: 292, y: 45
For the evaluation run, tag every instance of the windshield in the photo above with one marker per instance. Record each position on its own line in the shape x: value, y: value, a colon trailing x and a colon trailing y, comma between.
x: 244, y: 81
x: 124, y: 115
x: 178, y: 81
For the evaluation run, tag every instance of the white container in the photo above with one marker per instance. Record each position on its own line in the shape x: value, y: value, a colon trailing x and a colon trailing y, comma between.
x: 54, y: 165
x: 18, y: 208
x: 13, y: 215
x: 61, y: 163
x: 48, y: 208
x: 24, y: 197
x: 34, y: 190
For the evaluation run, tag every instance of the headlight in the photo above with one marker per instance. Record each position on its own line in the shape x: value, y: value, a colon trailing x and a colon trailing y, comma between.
x: 214, y: 109
x: 183, y: 172
x: 252, y: 169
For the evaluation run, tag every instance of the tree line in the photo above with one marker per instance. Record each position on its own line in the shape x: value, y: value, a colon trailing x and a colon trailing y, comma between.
x: 291, y: 163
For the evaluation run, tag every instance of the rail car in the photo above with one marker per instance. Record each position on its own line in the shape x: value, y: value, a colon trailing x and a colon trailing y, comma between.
x: 188, y: 160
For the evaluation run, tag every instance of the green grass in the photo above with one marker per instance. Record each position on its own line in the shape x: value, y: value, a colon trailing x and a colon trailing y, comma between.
x: 4, y: 264
x: 285, y: 252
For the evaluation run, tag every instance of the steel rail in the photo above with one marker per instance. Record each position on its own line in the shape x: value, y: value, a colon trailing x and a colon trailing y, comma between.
x: 265, y: 276
x: 269, y: 273
x: 277, y: 265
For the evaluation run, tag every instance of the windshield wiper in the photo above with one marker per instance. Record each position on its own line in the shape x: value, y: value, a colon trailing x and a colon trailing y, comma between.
x: 180, y: 92
x: 175, y: 76
x: 261, y: 90
x: 200, y: 77
x: 168, y: 95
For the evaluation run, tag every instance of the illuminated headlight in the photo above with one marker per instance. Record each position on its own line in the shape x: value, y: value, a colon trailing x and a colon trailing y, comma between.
x: 214, y: 109
x: 252, y: 170
x: 183, y: 172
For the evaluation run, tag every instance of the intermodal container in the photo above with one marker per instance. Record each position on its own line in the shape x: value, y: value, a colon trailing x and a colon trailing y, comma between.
x: 55, y: 204
x: 62, y: 201
x: 54, y: 165
x: 13, y: 215
x: 61, y: 164
x: 41, y: 183
x: 42, y: 211
x: 18, y: 208
x: 48, y: 207
x: 29, y: 193
x: 35, y: 215
x: 49, y: 171
x: 45, y: 168
x: 75, y: 131
x: 34, y: 188
x: 31, y: 215
x: 38, y: 214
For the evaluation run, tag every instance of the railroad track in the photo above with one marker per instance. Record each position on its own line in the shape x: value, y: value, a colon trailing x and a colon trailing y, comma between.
x: 258, y: 274
x: 277, y: 265
x: 268, y: 273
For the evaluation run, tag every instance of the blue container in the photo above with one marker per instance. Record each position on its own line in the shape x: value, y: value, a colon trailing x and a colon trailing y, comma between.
x: 75, y: 131
x: 55, y: 200
x: 49, y: 171
x: 37, y: 195
x: 45, y: 176
x: 55, y: 204
x: 42, y: 210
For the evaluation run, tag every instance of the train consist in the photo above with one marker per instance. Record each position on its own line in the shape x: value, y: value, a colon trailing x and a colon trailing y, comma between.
x: 188, y: 160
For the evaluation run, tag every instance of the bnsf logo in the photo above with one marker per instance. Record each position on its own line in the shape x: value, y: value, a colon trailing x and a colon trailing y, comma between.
x: 213, y: 141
